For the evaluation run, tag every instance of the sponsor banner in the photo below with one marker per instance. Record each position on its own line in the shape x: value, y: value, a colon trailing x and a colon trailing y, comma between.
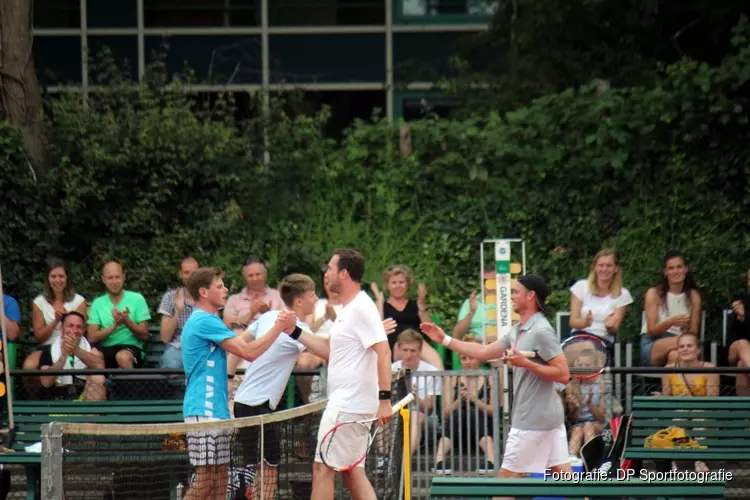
x: 504, y: 305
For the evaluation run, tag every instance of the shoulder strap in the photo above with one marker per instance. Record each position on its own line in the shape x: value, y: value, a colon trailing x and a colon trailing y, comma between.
x: 684, y: 378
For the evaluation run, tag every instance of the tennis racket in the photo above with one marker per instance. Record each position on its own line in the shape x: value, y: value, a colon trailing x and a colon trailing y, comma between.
x: 588, y: 356
x: 346, y: 444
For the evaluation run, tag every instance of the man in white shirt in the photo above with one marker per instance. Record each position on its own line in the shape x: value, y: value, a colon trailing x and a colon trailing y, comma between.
x: 71, y: 351
x: 425, y: 388
x: 359, y: 375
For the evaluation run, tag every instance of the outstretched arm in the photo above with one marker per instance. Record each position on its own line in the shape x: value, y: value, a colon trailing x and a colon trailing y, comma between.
x: 473, y: 350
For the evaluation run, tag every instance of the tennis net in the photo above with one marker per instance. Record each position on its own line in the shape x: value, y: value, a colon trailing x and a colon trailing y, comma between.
x: 218, y: 459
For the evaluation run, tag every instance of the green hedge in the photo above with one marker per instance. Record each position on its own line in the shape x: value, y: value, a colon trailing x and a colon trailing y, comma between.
x: 146, y: 174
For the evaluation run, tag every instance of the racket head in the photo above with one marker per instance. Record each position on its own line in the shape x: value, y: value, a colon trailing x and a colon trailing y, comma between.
x: 587, y: 355
x: 346, y: 444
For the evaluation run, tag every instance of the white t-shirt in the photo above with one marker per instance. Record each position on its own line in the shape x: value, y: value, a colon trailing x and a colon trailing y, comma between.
x: 352, y: 367
x: 74, y: 363
x: 600, y: 307
x: 425, y: 385
x: 676, y: 304
x: 266, y: 377
x: 49, y: 314
x: 320, y: 312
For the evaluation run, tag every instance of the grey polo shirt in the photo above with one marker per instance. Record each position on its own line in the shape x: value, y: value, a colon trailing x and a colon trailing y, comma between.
x: 536, y: 404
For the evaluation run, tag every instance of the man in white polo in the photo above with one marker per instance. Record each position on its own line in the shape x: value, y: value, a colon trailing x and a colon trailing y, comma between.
x: 537, y: 441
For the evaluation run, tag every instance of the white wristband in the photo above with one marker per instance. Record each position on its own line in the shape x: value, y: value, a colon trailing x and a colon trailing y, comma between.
x: 447, y: 341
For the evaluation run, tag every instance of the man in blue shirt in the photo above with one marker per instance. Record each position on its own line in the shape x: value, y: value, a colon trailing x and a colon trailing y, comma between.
x: 205, y: 343
x: 12, y: 318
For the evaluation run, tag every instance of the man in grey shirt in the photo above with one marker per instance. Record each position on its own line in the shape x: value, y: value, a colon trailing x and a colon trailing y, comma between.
x: 537, y: 441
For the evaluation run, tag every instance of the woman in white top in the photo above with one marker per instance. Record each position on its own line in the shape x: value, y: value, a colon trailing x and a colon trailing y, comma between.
x: 599, y: 303
x: 57, y: 299
x: 673, y: 307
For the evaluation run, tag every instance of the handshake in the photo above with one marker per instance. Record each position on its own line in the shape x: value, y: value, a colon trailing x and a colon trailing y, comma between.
x: 287, y: 321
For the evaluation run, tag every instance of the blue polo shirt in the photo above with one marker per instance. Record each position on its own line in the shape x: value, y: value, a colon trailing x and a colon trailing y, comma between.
x: 12, y: 311
x: 205, y: 363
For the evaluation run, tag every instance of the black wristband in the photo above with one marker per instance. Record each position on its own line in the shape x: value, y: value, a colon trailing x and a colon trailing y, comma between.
x: 230, y: 377
x: 296, y: 332
x: 384, y: 395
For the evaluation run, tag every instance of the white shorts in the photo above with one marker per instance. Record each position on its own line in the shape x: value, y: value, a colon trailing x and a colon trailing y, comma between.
x: 535, y: 451
x: 213, y: 447
x: 350, y: 441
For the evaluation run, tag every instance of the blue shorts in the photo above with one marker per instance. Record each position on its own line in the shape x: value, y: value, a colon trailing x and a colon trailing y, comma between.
x: 647, y: 344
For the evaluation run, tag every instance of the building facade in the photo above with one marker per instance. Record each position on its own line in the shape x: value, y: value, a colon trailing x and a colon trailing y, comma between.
x: 355, y: 55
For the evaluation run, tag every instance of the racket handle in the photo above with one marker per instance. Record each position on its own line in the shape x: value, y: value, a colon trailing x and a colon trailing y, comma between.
x: 397, y: 407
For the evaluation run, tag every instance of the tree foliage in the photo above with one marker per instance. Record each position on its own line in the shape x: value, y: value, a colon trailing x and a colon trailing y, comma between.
x: 535, y: 48
x: 146, y: 174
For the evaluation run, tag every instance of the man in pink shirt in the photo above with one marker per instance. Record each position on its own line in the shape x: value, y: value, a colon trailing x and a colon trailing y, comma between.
x: 243, y: 308
x: 256, y: 298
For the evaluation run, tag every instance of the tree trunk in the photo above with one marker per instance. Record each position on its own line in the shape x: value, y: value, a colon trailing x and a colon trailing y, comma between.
x: 20, y: 97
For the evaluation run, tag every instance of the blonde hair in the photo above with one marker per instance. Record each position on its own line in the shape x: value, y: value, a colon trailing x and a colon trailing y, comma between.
x: 615, y: 288
x: 395, y: 270
x: 295, y: 286
x: 470, y: 337
x: 410, y: 335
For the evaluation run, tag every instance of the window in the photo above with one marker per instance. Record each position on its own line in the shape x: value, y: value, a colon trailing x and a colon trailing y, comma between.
x: 327, y: 58
x: 443, y: 11
x: 326, y: 12
x: 425, y: 56
x: 112, y: 14
x: 201, y: 13
x: 57, y: 14
x: 346, y: 106
x: 58, y: 59
x: 415, y: 105
x: 123, y: 51
x: 218, y: 59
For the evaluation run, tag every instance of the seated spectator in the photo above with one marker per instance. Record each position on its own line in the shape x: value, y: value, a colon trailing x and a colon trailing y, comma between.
x: 471, y: 316
x: 408, y: 313
x: 175, y: 308
x: 118, y: 321
x: 467, y: 413
x: 57, y: 299
x: 599, y: 303
x: 71, y: 351
x: 424, y: 388
x: 12, y: 314
x: 690, y: 384
x: 256, y: 298
x: 673, y: 306
x: 584, y: 401
x: 245, y: 307
x: 326, y: 310
x: 739, y: 338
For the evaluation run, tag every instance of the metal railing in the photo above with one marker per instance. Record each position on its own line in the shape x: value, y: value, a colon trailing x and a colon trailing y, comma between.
x: 458, y: 420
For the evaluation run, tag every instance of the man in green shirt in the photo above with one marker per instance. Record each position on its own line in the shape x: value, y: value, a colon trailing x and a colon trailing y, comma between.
x: 118, y: 321
x: 472, y: 313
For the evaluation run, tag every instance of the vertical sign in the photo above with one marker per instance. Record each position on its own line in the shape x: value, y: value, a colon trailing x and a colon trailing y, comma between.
x: 504, y: 305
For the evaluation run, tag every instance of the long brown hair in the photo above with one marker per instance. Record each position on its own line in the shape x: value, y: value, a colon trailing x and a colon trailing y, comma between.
x: 69, y: 292
x: 662, y: 286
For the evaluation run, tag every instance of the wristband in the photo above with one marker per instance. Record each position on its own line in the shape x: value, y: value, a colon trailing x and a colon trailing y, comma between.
x: 384, y: 395
x: 447, y: 341
x: 296, y: 333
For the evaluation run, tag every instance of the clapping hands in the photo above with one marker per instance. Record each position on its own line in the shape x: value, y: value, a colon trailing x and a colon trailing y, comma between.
x: 120, y: 316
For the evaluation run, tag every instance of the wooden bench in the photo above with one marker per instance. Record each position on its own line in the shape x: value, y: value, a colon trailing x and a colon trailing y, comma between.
x: 722, y: 424
x: 30, y: 415
x: 459, y: 487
